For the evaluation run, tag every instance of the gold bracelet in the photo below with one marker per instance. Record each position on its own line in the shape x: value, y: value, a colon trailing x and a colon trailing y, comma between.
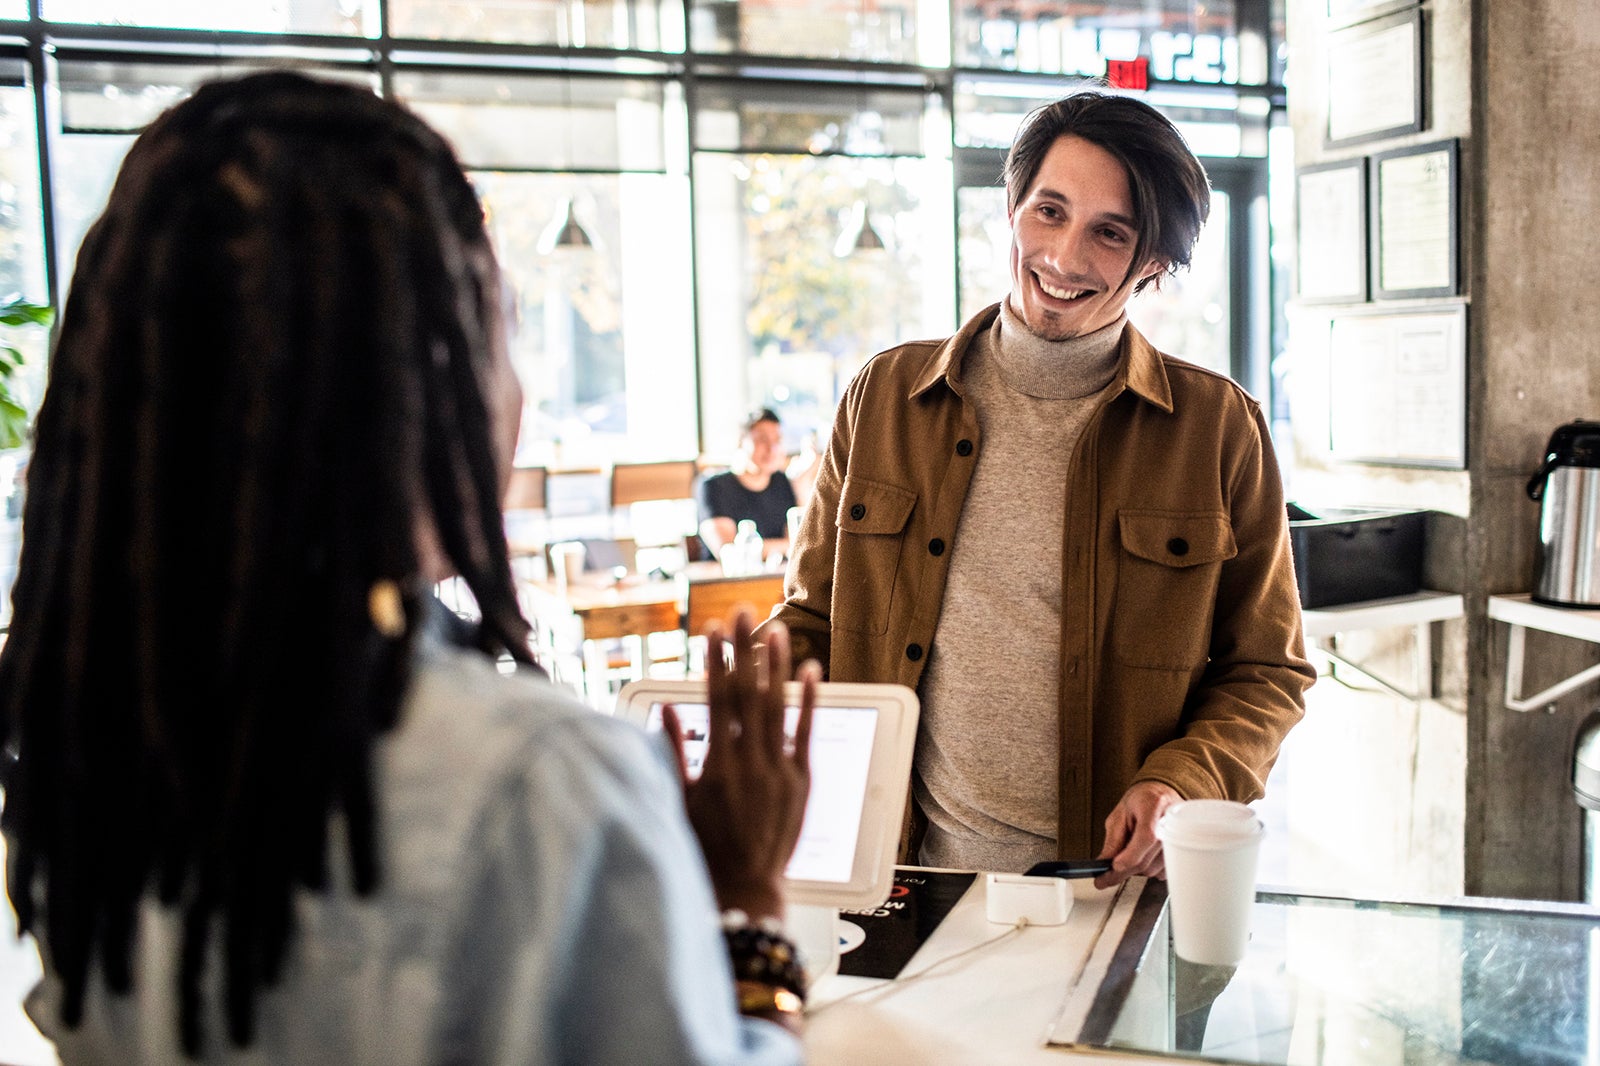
x: 758, y: 998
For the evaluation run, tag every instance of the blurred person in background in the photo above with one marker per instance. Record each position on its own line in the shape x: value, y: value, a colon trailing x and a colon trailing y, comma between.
x: 755, y: 488
x: 263, y: 802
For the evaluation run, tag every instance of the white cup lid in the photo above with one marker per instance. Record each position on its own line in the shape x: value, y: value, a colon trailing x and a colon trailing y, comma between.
x: 1209, y: 823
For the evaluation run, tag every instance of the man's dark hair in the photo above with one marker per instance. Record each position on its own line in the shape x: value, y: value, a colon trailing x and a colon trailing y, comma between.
x: 272, y: 365
x: 755, y: 418
x: 1171, y: 194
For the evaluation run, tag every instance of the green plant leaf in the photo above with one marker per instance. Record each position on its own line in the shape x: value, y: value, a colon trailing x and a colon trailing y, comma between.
x: 16, y: 312
x: 13, y: 424
x: 22, y: 313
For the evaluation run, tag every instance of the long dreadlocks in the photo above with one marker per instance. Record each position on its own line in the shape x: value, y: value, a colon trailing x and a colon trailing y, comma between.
x: 271, y: 366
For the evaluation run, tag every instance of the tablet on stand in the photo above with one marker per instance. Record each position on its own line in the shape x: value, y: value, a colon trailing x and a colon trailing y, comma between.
x: 862, y: 738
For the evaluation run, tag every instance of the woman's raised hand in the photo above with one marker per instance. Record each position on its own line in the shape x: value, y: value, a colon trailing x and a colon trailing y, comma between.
x: 748, y: 803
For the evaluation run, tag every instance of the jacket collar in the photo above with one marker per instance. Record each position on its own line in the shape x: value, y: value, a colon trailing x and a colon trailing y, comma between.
x: 1139, y: 369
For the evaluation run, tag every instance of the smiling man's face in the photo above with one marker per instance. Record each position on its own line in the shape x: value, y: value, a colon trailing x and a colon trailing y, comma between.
x: 1072, y: 237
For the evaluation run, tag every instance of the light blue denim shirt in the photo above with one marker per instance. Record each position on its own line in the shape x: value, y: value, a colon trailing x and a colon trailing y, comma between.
x: 543, y: 901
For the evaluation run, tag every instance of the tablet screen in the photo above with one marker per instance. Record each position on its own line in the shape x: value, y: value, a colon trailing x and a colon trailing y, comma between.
x: 862, y: 738
x: 841, y: 755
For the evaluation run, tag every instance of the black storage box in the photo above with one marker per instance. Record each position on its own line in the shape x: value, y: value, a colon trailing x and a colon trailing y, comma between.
x: 1344, y: 555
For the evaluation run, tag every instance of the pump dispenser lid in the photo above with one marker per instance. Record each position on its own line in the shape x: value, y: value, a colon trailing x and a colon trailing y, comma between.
x: 1575, y: 444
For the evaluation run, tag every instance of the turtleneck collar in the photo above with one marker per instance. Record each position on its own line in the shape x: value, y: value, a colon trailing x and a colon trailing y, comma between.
x: 1054, y: 370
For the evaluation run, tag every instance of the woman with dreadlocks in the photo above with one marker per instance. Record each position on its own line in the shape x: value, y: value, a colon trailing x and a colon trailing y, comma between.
x: 255, y: 798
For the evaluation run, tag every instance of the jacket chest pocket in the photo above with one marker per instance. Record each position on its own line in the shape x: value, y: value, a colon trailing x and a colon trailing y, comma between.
x: 871, y: 523
x: 1166, y: 588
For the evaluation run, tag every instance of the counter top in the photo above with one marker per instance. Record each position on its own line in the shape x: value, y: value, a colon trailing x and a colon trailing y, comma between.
x: 1326, y: 980
x: 976, y: 992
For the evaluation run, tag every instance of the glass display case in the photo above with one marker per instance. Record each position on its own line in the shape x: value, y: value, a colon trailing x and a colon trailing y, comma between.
x: 1332, y: 980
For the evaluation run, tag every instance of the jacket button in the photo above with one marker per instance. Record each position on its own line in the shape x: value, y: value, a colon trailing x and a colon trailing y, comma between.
x: 936, y: 546
x: 913, y: 652
x: 963, y: 447
x: 1178, y: 546
x: 858, y: 511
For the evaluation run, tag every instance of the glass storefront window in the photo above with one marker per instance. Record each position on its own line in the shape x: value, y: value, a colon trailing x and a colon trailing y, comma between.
x: 358, y: 18
x: 1188, y: 316
x: 602, y: 333
x: 103, y: 108
x: 21, y: 274
x: 985, y: 248
x: 641, y: 25
x: 1182, y: 40
x: 868, y: 31
x: 811, y: 263
x: 673, y: 323
x: 1214, y: 122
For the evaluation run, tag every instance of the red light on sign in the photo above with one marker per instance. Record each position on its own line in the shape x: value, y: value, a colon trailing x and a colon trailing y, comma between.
x: 1128, y: 73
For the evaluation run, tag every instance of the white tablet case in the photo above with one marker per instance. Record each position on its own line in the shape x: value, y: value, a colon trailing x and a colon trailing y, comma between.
x: 862, y: 738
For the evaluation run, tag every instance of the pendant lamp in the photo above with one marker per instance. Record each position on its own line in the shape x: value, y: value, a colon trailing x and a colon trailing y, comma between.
x: 564, y: 231
x: 860, y: 236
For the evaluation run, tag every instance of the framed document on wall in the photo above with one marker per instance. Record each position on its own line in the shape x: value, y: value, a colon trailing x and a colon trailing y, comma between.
x: 1344, y: 12
x: 1331, y: 232
x: 1415, y: 236
x: 1375, y: 79
x: 1397, y: 386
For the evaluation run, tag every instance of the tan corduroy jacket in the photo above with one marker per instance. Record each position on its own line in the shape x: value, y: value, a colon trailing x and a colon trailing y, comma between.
x: 1182, y: 659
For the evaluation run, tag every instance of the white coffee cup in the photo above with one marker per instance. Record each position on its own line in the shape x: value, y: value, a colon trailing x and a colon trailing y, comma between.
x: 1211, y: 847
x: 568, y: 557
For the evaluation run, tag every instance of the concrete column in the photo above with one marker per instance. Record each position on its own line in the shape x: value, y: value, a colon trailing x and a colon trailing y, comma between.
x: 1515, y: 82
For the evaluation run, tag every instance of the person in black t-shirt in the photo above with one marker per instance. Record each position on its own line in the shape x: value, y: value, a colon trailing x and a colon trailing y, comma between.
x: 756, y: 488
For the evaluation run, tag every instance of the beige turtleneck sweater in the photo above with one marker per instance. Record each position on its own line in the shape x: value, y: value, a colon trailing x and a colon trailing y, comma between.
x: 986, y: 764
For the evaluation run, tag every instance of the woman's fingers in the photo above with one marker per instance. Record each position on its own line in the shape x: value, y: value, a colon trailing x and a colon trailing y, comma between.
x: 809, y: 677
x: 723, y: 719
x: 749, y: 685
x: 767, y: 703
x: 749, y: 802
x: 747, y: 698
x: 673, y: 727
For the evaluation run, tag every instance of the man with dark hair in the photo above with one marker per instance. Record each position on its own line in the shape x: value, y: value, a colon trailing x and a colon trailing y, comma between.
x: 1074, y: 546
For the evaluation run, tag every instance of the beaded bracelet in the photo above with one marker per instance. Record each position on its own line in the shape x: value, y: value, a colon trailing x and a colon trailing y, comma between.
x: 762, y: 954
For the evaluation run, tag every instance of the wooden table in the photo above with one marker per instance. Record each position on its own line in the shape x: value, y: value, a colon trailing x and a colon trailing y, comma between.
x: 572, y: 619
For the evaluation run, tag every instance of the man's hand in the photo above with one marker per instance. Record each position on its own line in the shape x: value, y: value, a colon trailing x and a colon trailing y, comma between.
x: 1131, y: 842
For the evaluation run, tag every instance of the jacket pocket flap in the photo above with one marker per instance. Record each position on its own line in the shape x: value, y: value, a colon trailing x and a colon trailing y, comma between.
x: 873, y: 507
x: 1173, y: 539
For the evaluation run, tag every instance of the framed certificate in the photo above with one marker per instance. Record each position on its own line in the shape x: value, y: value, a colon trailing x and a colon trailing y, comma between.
x: 1375, y: 79
x: 1415, y: 235
x: 1331, y: 232
x: 1397, y: 387
x: 1344, y: 12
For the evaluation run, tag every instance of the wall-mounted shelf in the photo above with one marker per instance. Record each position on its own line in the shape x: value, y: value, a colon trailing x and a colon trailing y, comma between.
x: 1522, y: 614
x: 1419, y: 609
